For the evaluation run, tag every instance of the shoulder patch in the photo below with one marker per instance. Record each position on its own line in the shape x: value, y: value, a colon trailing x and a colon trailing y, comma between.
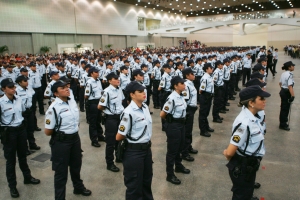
x: 240, y: 130
x: 102, y: 100
x: 124, y: 119
x: 166, y: 108
x: 48, y: 121
x: 161, y: 84
x: 184, y: 94
x: 87, y: 91
x: 122, y: 128
x: 47, y: 92
x: 49, y: 113
x: 202, y: 87
x: 236, y: 138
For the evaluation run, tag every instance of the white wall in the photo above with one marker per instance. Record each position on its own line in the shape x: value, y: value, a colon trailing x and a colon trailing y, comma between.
x: 92, y: 17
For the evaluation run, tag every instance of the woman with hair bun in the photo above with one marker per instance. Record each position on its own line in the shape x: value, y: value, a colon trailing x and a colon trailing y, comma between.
x: 286, y: 93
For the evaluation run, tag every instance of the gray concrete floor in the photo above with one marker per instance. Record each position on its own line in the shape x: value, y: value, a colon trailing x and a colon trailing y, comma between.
x: 279, y: 174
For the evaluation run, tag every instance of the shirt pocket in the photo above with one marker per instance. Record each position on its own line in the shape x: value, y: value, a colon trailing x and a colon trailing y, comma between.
x: 256, y: 135
x: 8, y: 111
x: 140, y: 124
x: 67, y: 118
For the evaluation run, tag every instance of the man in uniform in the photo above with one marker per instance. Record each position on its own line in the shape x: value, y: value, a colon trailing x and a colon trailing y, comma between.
x: 219, y: 92
x: 35, y: 78
x: 190, y: 95
x: 156, y: 76
x: 111, y: 104
x: 26, y: 95
x: 48, y: 92
x: 92, y: 93
x: 206, y: 91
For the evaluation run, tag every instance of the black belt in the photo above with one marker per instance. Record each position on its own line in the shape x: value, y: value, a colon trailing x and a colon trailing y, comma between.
x: 94, y: 101
x: 179, y: 120
x: 15, y: 128
x: 139, y: 146
x: 245, y: 158
x: 117, y: 116
x: 285, y: 89
x: 66, y: 137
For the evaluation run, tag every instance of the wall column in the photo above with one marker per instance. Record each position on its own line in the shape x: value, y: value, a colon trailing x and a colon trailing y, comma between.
x: 37, y: 42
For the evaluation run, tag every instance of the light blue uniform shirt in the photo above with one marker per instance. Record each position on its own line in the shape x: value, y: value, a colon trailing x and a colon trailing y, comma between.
x: 247, y: 62
x: 207, y: 83
x: 239, y: 137
x: 175, y: 105
x: 198, y: 70
x: 190, y: 94
x: 178, y: 72
x: 25, y: 95
x: 141, y: 123
x: 124, y: 80
x: 156, y: 73
x: 112, y: 100
x: 226, y: 71
x: 286, y: 79
x: 67, y: 113
x: 35, y: 79
x: 218, y: 77
x: 165, y: 82
x: 93, y: 89
x: 11, y: 111
x: 11, y: 75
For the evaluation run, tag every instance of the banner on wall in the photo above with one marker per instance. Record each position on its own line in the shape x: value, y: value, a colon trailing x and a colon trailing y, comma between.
x: 145, y: 45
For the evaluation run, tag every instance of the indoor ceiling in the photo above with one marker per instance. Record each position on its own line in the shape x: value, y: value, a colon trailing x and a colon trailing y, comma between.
x: 213, y: 7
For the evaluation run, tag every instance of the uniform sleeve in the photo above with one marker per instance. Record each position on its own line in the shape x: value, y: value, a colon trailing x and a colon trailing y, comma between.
x: 81, y: 82
x: 162, y: 83
x: 87, y: 91
x: 77, y: 74
x: 186, y: 93
x: 124, y: 126
x: 290, y: 80
x: 104, y: 99
x: 168, y: 107
x: 202, y: 85
x: 215, y: 77
x: 47, y: 92
x: 50, y: 119
x: 239, y: 137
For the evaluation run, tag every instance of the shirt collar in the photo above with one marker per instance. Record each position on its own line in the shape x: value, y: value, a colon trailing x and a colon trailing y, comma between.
x: 58, y: 100
x: 252, y: 118
x: 134, y: 106
x: 6, y: 99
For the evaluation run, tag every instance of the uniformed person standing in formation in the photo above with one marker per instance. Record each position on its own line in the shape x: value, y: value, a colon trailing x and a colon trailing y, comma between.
x: 165, y: 88
x: 48, y: 92
x: 218, y: 92
x: 174, y: 112
x: 246, y: 147
x: 124, y: 81
x: 13, y: 136
x: 156, y: 76
x: 62, y: 124
x: 111, y: 104
x: 26, y: 93
x: 206, y: 91
x: 136, y: 128
x: 247, y: 68
x: 92, y: 93
x: 190, y: 95
x: 287, y: 94
x: 38, y: 97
